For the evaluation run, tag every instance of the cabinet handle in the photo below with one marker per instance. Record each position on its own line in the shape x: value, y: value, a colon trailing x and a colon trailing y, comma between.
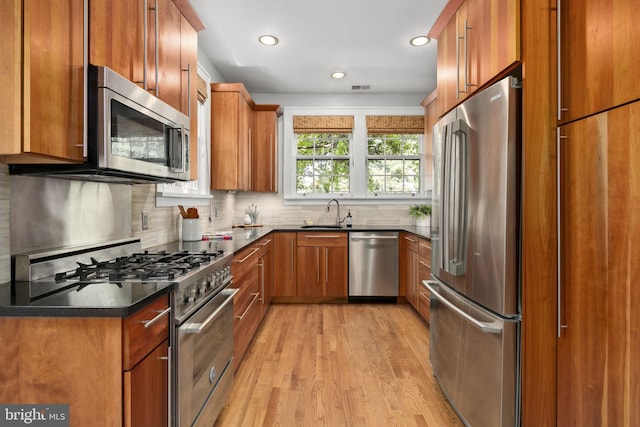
x: 559, y: 138
x: 293, y: 249
x: 261, y: 267
x: 466, y: 56
x: 247, y: 257
x: 559, y: 58
x: 328, y: 236
x: 326, y: 265
x: 145, y: 27
x: 271, y: 151
x: 317, y: 265
x: 249, y: 165
x: 156, y: 47
x: 255, y: 297
x: 409, y: 239
x: 424, y: 295
x: 85, y: 64
x: 161, y: 314
x: 265, y: 243
x: 425, y: 264
x: 188, y: 71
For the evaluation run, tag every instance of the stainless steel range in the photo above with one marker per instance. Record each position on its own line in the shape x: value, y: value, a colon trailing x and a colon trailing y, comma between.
x: 120, y: 274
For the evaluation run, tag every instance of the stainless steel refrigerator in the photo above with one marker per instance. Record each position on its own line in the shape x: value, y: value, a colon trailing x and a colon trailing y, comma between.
x: 475, y: 305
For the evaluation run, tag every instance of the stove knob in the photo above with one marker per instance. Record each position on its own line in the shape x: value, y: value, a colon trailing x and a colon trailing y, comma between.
x: 202, y: 290
x: 192, y: 297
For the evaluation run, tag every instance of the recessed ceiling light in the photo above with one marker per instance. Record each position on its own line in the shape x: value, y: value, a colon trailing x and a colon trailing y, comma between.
x: 268, y: 40
x: 419, y: 41
x: 338, y: 75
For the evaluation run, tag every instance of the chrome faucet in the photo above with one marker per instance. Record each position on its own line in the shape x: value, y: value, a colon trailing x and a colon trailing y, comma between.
x: 338, y: 220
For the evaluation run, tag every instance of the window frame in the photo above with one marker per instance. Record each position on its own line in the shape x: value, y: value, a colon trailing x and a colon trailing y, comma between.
x: 358, y: 157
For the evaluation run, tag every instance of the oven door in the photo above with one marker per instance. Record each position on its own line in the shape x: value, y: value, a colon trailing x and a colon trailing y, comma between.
x: 204, y: 355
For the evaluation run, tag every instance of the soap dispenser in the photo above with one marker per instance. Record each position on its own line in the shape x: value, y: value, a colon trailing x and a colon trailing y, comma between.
x: 349, y: 219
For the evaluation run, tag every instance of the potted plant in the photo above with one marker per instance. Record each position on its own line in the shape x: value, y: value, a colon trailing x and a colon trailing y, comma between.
x: 422, y: 214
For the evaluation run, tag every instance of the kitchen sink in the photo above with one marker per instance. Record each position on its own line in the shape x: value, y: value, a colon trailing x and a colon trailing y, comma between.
x: 321, y: 226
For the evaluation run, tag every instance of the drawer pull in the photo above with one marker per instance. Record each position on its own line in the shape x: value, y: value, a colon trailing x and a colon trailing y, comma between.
x: 161, y: 314
x: 328, y: 236
x: 247, y: 257
x: 255, y: 297
x: 409, y: 239
x: 265, y: 243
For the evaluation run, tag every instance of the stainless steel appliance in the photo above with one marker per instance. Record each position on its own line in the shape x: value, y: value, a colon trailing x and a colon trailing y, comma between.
x: 475, y: 309
x: 132, y: 136
x: 373, y: 265
x: 120, y: 274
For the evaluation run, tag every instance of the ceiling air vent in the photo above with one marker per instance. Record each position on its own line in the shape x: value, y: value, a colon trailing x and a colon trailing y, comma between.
x: 360, y: 87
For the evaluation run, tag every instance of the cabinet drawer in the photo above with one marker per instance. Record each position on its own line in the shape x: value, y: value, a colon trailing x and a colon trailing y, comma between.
x: 411, y: 242
x: 144, y: 331
x: 328, y: 238
x: 424, y: 301
x: 247, y: 287
x: 244, y: 261
x: 424, y: 249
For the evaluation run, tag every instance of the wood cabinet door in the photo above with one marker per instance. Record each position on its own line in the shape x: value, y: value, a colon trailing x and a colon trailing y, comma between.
x: 284, y: 260
x: 116, y: 37
x: 308, y: 268
x: 600, y: 296
x: 189, y: 88
x: 600, y: 56
x: 447, y: 68
x: 494, y: 38
x: 53, y: 79
x: 336, y: 271
x: 169, y: 83
x: 231, y: 126
x: 263, y: 154
x: 146, y: 390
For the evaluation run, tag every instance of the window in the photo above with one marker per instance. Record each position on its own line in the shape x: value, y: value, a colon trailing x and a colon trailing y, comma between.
x: 359, y: 156
x: 322, y: 163
x: 394, y: 154
x: 323, y: 154
x: 393, y: 163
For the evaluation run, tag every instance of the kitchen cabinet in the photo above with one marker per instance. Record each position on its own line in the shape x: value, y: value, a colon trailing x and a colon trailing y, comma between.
x: 599, y: 297
x: 189, y: 88
x: 284, y: 258
x: 322, y: 265
x: 410, y: 268
x: 599, y: 56
x: 129, y: 362
x: 231, y: 127
x: 247, y: 304
x: 243, y: 141
x: 423, y: 296
x: 169, y: 71
x: 265, y: 265
x: 42, y: 47
x: 480, y: 41
x: 264, y: 146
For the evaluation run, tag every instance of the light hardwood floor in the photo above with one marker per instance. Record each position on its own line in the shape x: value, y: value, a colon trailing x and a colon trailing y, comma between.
x: 338, y: 365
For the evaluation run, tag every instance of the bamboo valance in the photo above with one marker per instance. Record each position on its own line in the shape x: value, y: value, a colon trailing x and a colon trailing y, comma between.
x: 202, y: 90
x: 395, y: 124
x: 322, y: 124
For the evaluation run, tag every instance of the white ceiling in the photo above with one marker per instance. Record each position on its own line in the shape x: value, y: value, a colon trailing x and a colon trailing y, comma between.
x: 367, y: 39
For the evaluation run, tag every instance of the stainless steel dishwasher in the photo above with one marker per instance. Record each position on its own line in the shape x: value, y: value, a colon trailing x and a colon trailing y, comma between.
x: 373, y: 264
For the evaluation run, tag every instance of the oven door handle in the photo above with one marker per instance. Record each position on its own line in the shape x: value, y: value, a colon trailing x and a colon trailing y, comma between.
x: 196, y: 328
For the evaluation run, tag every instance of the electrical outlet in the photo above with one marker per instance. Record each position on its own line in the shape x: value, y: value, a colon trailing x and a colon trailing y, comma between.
x: 145, y: 220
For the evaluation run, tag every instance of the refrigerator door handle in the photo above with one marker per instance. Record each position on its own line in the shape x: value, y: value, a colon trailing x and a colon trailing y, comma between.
x: 445, y: 174
x: 483, y: 326
x: 458, y: 230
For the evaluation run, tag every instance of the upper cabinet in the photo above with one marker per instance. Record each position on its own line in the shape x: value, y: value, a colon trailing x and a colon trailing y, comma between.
x: 42, y: 47
x: 599, y: 56
x: 243, y: 140
x: 263, y: 148
x: 189, y: 87
x: 477, y: 40
x: 43, y: 50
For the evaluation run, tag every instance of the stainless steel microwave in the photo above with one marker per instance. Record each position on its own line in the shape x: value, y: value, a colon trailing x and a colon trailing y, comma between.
x: 131, y: 136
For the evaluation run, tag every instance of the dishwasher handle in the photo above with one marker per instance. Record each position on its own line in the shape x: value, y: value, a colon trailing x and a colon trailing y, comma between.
x: 373, y: 237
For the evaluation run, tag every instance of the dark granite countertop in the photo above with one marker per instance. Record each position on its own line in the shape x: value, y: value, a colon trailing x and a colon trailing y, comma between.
x: 128, y: 301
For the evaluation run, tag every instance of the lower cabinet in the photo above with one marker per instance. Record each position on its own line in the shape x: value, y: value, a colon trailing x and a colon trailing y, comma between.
x: 415, y: 268
x: 110, y: 371
x: 252, y: 271
x: 322, y: 264
x: 284, y: 258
